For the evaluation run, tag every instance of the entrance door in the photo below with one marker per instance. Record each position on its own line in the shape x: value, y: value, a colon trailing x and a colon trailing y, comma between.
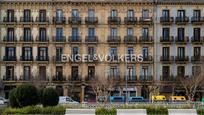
x: 42, y: 73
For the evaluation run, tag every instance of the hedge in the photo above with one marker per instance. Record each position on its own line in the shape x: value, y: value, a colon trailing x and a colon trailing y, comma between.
x: 49, y: 97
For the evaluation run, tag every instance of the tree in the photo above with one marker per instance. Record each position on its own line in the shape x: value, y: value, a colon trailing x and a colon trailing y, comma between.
x: 192, y: 83
x: 1, y: 87
x: 12, y: 98
x: 50, y: 97
x: 102, y: 87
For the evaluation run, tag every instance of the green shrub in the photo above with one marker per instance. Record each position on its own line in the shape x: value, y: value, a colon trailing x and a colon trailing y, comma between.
x: 40, y: 93
x: 26, y: 95
x: 12, y: 98
x: 50, y: 97
x: 103, y: 111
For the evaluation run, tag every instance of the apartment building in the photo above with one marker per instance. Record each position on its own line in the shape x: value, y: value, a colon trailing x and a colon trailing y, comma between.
x: 34, y: 35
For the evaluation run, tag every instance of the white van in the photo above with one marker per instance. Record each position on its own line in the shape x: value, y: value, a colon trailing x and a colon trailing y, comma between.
x: 66, y: 100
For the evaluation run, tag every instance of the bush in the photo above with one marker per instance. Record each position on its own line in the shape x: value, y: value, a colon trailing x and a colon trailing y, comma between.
x: 40, y: 93
x: 12, y: 98
x: 26, y: 95
x: 50, y: 97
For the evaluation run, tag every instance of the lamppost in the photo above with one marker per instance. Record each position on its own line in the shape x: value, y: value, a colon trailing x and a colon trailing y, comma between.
x: 126, y: 100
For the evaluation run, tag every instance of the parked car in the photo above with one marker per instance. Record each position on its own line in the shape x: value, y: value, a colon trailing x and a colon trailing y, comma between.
x: 4, y: 100
x: 1, y: 102
x: 158, y: 98
x: 177, y: 99
x: 136, y: 99
x: 117, y: 99
x: 66, y: 100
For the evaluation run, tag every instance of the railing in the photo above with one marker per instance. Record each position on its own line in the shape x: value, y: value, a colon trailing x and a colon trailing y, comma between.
x: 195, y: 39
x: 90, y: 77
x: 59, y: 78
x: 91, y: 20
x: 146, y: 78
x: 75, y: 39
x: 91, y: 39
x: 169, y: 39
x: 181, y: 58
x: 10, y: 58
x: 146, y: 39
x: 26, y: 78
x: 146, y: 20
x: 42, y: 58
x: 8, y: 20
x: 113, y: 39
x: 167, y: 58
x: 166, y: 19
x: 196, y: 58
x: 42, y: 39
x: 75, y: 78
x: 9, y: 78
x: 130, y: 39
x: 184, y: 39
x: 167, y: 78
x: 182, y: 19
x: 114, y: 77
x: 26, y: 58
x: 130, y: 20
x: 9, y: 39
x: 59, y: 39
x: 26, y: 39
x: 57, y: 58
x: 42, y: 20
x: 130, y: 78
x: 26, y: 19
x: 75, y: 20
x: 114, y: 20
x: 59, y: 20
x: 147, y: 58
x: 197, y: 19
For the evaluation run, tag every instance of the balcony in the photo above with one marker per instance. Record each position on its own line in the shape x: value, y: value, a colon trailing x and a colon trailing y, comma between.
x: 197, y: 40
x: 182, y: 40
x: 114, y: 20
x: 91, y: 20
x: 114, y: 39
x: 130, y: 20
x: 59, y: 39
x: 146, y: 20
x: 166, y: 40
x: 166, y: 20
x: 42, y: 21
x: 26, y: 58
x: 57, y: 59
x: 59, y: 20
x: 26, y: 20
x: 25, y: 78
x: 90, y: 77
x: 75, y: 78
x: 59, y: 78
x: 147, y: 59
x: 196, y: 59
x: 181, y: 59
x: 10, y: 39
x: 75, y: 39
x: 114, y: 77
x: 167, y: 78
x: 182, y: 20
x: 91, y: 39
x: 167, y: 59
x: 146, y: 39
x: 8, y: 21
x: 197, y: 20
x: 42, y: 39
x: 74, y: 20
x: 26, y: 39
x: 9, y: 78
x: 130, y: 78
x: 9, y: 58
x: 42, y: 58
x: 146, y: 78
x: 130, y: 39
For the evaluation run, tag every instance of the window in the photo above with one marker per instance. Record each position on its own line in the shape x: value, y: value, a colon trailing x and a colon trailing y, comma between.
x: 197, y: 52
x: 91, y: 52
x: 181, y: 13
x: 145, y: 33
x: 75, y: 33
x: 129, y: 31
x: 42, y: 15
x: 59, y: 34
x: 74, y: 72
x: 130, y: 13
x: 113, y: 51
x: 113, y: 72
x: 165, y: 14
x: 59, y: 72
x: 27, y: 15
x: 197, y: 14
x: 145, y: 13
x: 165, y: 52
x: 10, y: 15
x: 166, y: 33
x: 75, y: 51
x: 10, y: 52
x: 130, y: 50
x: 91, y: 71
x: 10, y: 34
x: 114, y: 13
x: 9, y: 72
x: 165, y: 71
x: 91, y: 13
x: 42, y: 34
x: 181, y: 34
x: 131, y: 73
x: 196, y: 70
x: 75, y: 13
x: 181, y: 71
x: 145, y: 52
x: 144, y: 72
x: 26, y: 73
x: 59, y: 51
x: 59, y: 15
x: 27, y: 53
x: 27, y: 34
x: 196, y: 33
x: 114, y: 32
x: 181, y: 52
x: 91, y: 32
x: 42, y: 53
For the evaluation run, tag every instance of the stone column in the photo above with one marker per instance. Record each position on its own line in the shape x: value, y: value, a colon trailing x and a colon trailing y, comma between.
x: 65, y: 90
x: 82, y: 94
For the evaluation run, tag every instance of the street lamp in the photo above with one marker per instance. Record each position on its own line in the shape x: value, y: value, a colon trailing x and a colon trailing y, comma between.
x: 126, y: 100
